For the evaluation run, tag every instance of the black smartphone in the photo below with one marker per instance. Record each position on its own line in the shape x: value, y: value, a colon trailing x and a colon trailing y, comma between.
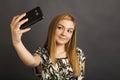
x: 33, y: 16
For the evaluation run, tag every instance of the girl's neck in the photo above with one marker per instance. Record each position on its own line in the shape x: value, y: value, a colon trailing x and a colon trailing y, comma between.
x: 60, y: 51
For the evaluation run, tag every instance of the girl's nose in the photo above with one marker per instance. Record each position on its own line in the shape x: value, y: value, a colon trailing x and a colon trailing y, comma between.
x: 64, y: 32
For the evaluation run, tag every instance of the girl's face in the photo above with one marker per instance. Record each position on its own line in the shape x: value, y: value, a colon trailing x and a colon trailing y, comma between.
x: 64, y: 31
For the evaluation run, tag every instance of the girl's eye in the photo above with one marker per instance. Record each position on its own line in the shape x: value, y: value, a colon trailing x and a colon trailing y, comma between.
x: 60, y: 27
x: 70, y: 31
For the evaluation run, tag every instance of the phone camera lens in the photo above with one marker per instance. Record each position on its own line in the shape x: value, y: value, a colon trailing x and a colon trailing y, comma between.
x: 36, y: 13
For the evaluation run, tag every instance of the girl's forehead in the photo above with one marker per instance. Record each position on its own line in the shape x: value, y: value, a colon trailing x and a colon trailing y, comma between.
x: 66, y: 23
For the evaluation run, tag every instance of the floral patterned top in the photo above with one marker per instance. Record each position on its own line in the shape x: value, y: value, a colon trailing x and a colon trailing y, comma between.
x: 64, y: 70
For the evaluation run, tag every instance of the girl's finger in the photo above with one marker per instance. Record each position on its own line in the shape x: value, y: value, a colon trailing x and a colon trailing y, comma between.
x: 20, y: 17
x: 13, y: 20
x: 21, y: 22
x: 25, y: 30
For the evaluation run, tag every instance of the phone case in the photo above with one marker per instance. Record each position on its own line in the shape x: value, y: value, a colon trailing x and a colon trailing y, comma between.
x: 33, y: 16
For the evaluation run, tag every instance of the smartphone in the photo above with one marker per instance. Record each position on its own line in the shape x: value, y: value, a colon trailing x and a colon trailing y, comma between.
x: 33, y: 16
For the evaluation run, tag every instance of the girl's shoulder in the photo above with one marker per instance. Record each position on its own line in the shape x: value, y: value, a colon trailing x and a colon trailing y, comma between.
x: 80, y: 51
x: 80, y: 54
x: 43, y: 52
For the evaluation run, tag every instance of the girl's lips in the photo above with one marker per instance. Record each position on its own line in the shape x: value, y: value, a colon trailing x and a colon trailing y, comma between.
x: 62, y: 38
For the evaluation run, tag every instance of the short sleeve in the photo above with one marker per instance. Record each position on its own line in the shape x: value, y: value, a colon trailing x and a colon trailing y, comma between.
x: 43, y: 52
x: 44, y: 55
x: 81, y: 57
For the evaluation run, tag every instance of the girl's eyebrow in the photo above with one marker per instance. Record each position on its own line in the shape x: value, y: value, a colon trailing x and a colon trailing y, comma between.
x: 64, y: 26
x: 61, y: 25
x: 71, y: 28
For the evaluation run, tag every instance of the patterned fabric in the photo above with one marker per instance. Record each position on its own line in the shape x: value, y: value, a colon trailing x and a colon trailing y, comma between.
x: 63, y: 70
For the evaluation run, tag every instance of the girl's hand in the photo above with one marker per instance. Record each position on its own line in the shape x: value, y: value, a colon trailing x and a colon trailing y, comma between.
x: 15, y: 28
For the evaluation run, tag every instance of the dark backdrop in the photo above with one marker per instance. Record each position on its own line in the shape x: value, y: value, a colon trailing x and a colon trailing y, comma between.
x: 98, y: 35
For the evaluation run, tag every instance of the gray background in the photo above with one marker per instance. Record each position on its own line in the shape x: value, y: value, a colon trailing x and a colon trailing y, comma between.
x: 98, y: 35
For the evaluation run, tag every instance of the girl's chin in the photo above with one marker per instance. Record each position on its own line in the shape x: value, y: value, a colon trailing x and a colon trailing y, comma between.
x: 61, y: 43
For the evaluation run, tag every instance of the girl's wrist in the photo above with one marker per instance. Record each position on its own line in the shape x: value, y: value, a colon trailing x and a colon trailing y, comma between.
x: 15, y: 43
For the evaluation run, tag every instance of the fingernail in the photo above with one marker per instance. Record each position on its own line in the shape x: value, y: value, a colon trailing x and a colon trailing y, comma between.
x: 29, y: 28
x: 27, y: 19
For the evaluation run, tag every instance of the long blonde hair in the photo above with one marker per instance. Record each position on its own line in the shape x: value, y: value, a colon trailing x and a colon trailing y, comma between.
x: 70, y: 47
